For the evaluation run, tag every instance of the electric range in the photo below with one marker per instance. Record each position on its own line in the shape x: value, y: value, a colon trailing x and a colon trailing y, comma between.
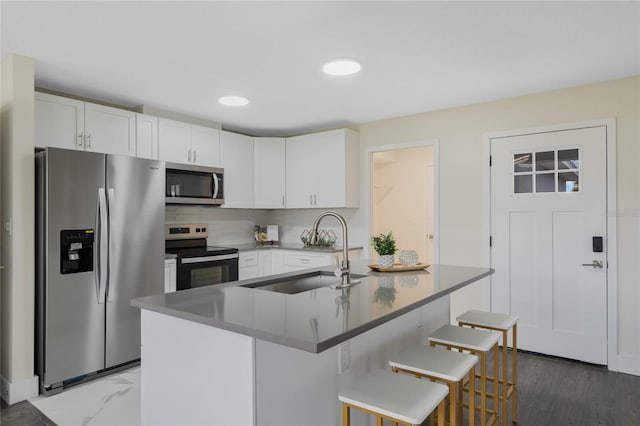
x: 199, y: 264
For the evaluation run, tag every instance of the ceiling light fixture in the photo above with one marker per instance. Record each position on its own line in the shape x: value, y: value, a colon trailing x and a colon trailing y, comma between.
x: 233, y: 100
x: 341, y: 67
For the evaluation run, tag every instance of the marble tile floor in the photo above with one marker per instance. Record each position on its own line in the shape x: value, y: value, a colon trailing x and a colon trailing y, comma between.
x: 108, y: 401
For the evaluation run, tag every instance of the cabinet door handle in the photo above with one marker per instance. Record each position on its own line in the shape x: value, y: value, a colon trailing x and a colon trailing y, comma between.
x: 80, y: 139
x: 310, y: 199
x: 283, y: 200
x: 194, y: 155
x: 315, y: 199
x: 189, y: 155
x: 88, y: 138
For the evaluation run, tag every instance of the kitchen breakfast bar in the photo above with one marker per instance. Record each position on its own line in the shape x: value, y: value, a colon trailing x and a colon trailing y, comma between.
x: 256, y: 353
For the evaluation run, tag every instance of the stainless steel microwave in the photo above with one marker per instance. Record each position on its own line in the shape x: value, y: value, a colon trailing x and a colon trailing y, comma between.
x: 191, y: 184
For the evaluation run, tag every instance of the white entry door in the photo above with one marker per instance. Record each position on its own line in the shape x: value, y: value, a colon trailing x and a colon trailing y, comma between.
x: 548, y: 202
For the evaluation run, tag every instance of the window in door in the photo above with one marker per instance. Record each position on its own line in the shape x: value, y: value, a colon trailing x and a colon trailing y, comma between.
x: 548, y: 171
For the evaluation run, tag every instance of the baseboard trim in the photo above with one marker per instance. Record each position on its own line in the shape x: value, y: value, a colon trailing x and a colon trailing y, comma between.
x: 14, y: 392
x: 629, y: 364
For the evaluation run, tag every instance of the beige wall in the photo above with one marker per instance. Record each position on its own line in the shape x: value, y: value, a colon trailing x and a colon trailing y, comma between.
x: 17, y: 187
x: 463, y: 196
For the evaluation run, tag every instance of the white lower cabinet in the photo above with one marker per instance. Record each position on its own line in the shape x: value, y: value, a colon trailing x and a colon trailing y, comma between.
x: 271, y: 261
x: 296, y: 261
x: 247, y: 264
x: 265, y: 263
x: 170, y: 270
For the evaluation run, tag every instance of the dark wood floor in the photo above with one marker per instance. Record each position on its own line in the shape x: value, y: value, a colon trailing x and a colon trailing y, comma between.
x: 552, y: 392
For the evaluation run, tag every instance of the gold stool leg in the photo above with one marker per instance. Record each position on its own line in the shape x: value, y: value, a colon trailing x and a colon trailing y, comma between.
x: 496, y: 379
x: 452, y: 403
x: 378, y: 421
x: 505, y: 378
x: 483, y: 388
x: 472, y: 396
x: 441, y: 408
x: 346, y: 418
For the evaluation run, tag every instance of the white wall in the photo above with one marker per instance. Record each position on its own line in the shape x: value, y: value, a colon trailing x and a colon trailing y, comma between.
x: 463, y: 198
x: 17, y: 188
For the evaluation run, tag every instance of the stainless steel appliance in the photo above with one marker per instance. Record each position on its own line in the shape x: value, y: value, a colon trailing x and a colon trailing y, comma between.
x: 198, y: 264
x: 99, y: 226
x: 190, y: 184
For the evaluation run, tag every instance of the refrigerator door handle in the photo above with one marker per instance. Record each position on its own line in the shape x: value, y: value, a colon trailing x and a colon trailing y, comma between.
x: 102, y: 245
x: 215, y: 185
x: 112, y: 244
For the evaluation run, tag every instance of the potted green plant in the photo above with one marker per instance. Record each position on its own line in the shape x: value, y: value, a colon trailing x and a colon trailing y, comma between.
x: 385, y: 246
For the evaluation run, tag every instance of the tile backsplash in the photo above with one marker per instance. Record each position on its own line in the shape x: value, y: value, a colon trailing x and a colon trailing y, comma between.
x: 234, y: 226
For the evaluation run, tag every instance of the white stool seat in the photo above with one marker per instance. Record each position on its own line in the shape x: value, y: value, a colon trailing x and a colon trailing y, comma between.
x: 477, y: 340
x: 435, y: 362
x: 488, y: 319
x: 402, y: 397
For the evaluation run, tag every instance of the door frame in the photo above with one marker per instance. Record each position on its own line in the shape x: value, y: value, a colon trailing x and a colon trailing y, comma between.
x: 434, y: 144
x: 612, y: 239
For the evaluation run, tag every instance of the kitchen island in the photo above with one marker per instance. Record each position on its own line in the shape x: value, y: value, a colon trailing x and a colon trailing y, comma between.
x: 234, y: 354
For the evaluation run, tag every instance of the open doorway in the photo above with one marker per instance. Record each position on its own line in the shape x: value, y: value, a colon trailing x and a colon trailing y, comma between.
x: 403, y: 197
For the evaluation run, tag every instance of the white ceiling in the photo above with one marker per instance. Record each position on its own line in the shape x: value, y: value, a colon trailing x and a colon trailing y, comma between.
x: 416, y: 56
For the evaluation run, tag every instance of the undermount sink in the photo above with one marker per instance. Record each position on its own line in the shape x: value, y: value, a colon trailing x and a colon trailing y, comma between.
x: 300, y: 283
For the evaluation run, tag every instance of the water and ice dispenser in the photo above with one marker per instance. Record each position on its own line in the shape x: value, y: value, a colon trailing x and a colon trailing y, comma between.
x: 76, y: 250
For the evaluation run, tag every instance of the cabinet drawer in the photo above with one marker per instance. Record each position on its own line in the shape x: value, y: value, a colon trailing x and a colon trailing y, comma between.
x: 247, y: 272
x: 306, y: 260
x: 248, y: 258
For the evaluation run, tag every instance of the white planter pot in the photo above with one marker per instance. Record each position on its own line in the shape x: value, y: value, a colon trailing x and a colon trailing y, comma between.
x: 385, y: 261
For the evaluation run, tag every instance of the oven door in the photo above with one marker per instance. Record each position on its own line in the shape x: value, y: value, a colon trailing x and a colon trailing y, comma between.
x: 208, y: 270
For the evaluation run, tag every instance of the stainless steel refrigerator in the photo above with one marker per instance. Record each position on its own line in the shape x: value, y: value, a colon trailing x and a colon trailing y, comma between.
x: 100, y: 243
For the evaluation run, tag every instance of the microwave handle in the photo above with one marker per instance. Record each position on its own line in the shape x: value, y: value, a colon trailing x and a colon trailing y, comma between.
x: 215, y: 185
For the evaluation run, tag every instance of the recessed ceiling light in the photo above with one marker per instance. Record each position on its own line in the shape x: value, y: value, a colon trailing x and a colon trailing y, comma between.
x: 233, y: 100
x: 341, y: 67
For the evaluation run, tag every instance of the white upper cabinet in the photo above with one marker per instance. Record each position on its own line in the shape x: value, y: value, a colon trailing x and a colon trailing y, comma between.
x: 323, y: 170
x: 205, y: 145
x: 236, y: 157
x: 302, y: 171
x: 59, y: 122
x: 146, y: 136
x: 269, y: 177
x: 181, y: 142
x: 174, y: 141
x: 72, y: 124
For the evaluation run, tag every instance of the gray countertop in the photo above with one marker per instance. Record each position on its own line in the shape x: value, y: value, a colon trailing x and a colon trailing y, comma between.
x: 289, y: 246
x: 313, y: 320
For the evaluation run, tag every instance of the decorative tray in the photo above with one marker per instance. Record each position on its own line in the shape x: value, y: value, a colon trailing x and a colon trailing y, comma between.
x: 398, y: 267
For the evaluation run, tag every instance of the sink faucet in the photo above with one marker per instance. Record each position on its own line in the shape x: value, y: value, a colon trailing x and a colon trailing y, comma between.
x: 344, y: 270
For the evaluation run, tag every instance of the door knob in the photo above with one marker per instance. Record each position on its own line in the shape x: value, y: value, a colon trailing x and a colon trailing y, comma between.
x: 596, y: 264
x: 430, y: 236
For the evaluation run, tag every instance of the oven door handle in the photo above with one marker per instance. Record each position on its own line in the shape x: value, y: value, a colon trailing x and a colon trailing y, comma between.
x: 208, y: 258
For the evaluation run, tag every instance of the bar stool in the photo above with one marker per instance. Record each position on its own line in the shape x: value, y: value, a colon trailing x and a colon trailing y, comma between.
x: 442, y: 365
x: 395, y: 397
x: 502, y: 323
x: 478, y: 342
